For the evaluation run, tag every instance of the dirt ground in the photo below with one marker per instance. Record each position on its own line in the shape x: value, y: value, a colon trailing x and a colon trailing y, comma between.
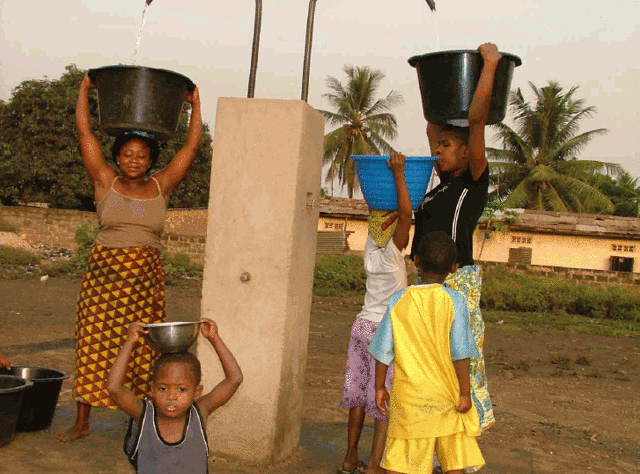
x: 564, y: 402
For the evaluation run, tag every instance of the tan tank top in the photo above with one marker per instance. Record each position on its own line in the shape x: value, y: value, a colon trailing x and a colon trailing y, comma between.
x: 130, y: 222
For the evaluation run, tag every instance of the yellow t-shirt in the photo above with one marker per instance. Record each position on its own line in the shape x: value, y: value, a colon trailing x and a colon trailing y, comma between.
x: 426, y: 328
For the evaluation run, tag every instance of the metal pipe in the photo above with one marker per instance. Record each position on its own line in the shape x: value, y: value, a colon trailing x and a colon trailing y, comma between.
x: 307, y: 51
x: 257, y: 23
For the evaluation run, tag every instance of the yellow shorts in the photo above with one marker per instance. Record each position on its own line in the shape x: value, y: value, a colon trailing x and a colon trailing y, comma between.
x: 415, y: 456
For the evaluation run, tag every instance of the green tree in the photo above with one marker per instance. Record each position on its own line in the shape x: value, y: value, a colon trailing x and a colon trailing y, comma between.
x: 365, y: 123
x: 537, y: 166
x: 37, y: 133
x: 623, y: 192
x: 40, y: 156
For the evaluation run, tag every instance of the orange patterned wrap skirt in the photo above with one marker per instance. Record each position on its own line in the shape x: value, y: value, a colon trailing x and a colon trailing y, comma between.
x: 121, y: 286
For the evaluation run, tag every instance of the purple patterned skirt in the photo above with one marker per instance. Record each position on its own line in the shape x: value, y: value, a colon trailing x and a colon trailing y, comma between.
x: 359, y: 378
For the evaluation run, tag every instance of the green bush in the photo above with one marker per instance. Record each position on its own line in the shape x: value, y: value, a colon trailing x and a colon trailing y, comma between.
x: 339, y: 275
x: 179, y: 267
x: 504, y: 290
x: 6, y: 227
x: 76, y: 266
x: 12, y: 256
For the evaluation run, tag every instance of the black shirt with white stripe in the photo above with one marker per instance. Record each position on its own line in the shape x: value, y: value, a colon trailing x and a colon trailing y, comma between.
x: 454, y: 207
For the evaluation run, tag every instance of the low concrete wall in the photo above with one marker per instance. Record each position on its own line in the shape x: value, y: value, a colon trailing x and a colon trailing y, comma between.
x: 578, y: 275
x: 51, y: 228
x: 185, y: 229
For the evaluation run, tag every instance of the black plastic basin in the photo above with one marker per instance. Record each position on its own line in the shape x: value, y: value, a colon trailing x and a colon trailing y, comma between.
x: 40, y: 398
x: 11, y: 393
x: 448, y: 80
x: 140, y: 98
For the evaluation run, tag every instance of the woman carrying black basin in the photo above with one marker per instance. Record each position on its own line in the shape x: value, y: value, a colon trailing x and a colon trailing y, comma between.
x: 456, y: 204
x: 124, y: 281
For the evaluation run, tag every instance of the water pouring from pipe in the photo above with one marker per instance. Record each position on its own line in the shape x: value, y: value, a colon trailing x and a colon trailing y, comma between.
x: 143, y: 21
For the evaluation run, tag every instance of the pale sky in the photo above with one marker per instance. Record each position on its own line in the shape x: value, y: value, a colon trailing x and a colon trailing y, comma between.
x: 592, y: 44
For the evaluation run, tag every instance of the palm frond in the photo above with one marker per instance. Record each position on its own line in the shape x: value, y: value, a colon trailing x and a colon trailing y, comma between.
x: 552, y: 200
x: 583, y: 192
x: 333, y: 118
x: 571, y: 147
x: 366, y: 122
x: 382, y: 147
x: 332, y: 143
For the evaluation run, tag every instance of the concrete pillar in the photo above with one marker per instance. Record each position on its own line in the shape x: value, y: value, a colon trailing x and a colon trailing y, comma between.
x: 258, y: 275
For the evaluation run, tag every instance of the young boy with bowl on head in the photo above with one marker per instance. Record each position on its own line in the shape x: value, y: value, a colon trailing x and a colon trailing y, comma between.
x: 426, y: 334
x: 168, y: 430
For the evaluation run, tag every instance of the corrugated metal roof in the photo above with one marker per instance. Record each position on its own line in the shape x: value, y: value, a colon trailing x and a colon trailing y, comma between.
x: 546, y: 222
x: 343, y: 207
x: 577, y: 224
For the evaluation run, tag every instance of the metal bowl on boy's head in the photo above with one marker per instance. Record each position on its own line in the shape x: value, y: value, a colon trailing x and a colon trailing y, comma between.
x: 172, y: 337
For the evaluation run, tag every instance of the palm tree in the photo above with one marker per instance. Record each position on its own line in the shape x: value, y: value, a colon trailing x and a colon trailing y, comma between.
x: 537, y: 166
x: 365, y: 123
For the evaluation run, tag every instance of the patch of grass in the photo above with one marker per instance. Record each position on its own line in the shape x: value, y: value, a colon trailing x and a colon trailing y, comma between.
x: 6, y: 227
x: 582, y: 360
x: 561, y: 362
x: 179, y: 267
x: 505, y: 290
x: 13, y: 256
x: 561, y: 321
x: 14, y: 272
x: 339, y: 275
x: 76, y: 266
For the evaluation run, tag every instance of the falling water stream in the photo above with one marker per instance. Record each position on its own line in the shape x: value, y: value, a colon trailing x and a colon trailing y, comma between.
x: 140, y: 31
x: 436, y: 28
x: 432, y: 6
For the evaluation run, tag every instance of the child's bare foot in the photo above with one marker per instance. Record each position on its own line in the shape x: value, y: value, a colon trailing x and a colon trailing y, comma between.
x: 358, y: 468
x: 73, y: 434
x: 376, y: 470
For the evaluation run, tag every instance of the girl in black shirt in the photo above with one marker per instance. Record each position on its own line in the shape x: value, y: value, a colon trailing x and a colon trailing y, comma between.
x: 455, y: 206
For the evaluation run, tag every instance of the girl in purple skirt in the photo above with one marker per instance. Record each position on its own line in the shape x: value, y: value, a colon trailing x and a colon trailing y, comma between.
x: 386, y: 273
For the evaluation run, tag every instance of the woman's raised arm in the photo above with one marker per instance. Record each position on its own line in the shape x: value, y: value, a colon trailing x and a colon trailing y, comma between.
x: 100, y: 173
x: 479, y: 109
x: 177, y: 168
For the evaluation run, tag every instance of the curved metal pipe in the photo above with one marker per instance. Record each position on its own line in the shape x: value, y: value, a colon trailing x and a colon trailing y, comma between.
x: 307, y: 51
x: 257, y: 23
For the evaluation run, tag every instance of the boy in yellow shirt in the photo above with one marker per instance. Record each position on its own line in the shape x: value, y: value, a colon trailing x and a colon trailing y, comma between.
x: 426, y: 334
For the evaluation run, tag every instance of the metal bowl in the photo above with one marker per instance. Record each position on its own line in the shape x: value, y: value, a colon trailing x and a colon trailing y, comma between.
x: 172, y: 337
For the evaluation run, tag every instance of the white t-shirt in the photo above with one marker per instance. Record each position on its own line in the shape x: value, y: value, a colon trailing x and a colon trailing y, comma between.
x: 386, y: 274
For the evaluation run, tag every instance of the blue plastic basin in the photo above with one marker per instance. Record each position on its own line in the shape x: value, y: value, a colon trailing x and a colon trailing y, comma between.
x: 378, y: 186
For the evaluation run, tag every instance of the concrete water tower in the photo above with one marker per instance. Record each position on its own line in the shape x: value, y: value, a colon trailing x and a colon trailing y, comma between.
x: 260, y: 255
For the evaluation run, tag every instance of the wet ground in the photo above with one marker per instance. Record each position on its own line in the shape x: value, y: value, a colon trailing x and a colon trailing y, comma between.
x: 564, y: 402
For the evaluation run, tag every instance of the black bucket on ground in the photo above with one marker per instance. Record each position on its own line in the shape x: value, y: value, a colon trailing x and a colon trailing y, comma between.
x: 39, y: 401
x: 140, y: 98
x: 11, y: 393
x: 448, y: 80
